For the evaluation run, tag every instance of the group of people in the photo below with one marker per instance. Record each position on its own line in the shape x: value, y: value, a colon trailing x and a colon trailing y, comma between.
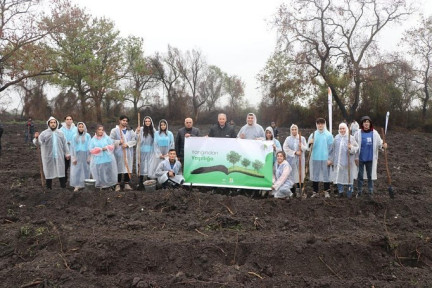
x: 108, y: 159
x: 157, y: 154
x: 339, y: 160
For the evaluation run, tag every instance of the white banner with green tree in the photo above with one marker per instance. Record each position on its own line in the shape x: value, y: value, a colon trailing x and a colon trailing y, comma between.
x: 228, y: 162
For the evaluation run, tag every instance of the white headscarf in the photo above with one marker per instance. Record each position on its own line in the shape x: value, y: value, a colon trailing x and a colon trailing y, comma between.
x: 293, y: 126
x: 346, y: 129
x: 83, y: 135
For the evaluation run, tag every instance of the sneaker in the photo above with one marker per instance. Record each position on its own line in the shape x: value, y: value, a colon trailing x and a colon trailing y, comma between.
x: 117, y: 188
x: 326, y: 194
x: 314, y: 194
x: 304, y: 196
x: 76, y: 189
x: 127, y: 187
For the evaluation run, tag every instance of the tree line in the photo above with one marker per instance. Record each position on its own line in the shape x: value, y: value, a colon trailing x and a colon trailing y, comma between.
x: 330, y: 43
x: 321, y: 43
x: 97, y: 72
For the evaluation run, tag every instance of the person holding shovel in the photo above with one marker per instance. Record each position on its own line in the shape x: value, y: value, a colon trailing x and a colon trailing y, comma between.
x: 124, y: 141
x: 54, y: 151
x: 366, y: 158
x: 145, y: 151
x: 342, y: 159
x: 295, y: 148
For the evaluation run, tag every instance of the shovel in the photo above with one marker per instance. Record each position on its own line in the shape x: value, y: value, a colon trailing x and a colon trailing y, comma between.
x: 390, y: 189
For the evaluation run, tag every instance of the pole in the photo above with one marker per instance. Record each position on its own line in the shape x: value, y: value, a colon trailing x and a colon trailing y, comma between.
x: 330, y: 109
x: 309, y: 156
x: 139, y: 148
x: 300, y: 165
x: 390, y: 188
x: 348, y: 155
x: 386, y: 123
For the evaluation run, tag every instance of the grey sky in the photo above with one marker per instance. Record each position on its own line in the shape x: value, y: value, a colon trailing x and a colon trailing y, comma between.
x: 232, y: 34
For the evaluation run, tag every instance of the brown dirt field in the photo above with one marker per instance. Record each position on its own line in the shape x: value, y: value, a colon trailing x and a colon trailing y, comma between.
x: 203, y: 238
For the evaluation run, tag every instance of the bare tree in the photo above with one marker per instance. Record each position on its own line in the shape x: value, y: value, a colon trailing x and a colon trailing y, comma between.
x: 320, y: 34
x: 419, y: 42
x: 193, y: 70
x: 167, y: 73
x: 234, y: 88
x: 140, y: 73
x: 35, y: 102
x: 211, y: 88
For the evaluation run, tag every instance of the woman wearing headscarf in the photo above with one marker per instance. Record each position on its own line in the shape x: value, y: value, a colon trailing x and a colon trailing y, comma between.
x: 319, y: 164
x: 295, y: 147
x: 163, y: 142
x: 342, y: 158
x: 80, y: 157
x: 282, y: 184
x: 145, y: 151
x: 103, y: 166
x: 269, y: 136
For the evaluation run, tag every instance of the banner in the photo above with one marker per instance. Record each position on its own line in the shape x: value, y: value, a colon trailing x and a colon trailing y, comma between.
x: 228, y: 162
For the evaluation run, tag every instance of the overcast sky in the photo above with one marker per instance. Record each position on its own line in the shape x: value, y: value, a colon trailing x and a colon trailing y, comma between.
x: 234, y: 35
x: 231, y: 34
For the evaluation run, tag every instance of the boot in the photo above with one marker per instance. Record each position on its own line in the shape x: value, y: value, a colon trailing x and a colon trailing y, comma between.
x: 127, y: 187
x: 117, y: 188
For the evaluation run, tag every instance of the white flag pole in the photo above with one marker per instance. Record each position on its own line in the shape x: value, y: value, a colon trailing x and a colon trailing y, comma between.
x: 386, y: 123
x: 330, y: 110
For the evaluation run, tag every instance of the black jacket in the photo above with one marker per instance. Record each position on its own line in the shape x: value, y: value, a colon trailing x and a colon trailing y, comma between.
x: 222, y: 132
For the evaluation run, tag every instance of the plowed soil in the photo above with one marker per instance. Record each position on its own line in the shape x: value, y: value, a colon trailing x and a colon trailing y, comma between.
x: 209, y: 238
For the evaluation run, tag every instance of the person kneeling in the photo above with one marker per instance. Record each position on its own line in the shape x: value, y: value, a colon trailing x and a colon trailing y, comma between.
x: 282, y: 184
x: 169, y: 171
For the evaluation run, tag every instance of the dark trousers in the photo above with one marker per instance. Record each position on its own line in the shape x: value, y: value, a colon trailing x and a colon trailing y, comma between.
x: 48, y: 182
x: 67, y: 165
x: 316, y: 184
x: 295, y: 186
x: 125, y: 178
x: 362, y: 165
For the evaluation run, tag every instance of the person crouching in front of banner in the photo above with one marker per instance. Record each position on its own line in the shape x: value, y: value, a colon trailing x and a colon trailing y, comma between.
x: 54, y: 152
x: 169, y: 171
x: 282, y: 183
